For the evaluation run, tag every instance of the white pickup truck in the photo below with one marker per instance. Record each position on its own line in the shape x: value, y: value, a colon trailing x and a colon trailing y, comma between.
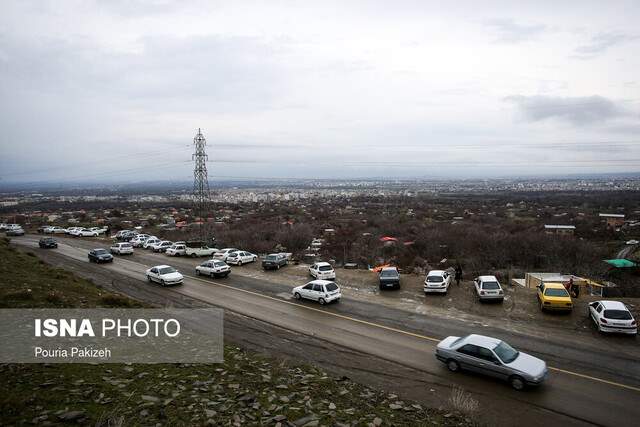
x: 199, y: 251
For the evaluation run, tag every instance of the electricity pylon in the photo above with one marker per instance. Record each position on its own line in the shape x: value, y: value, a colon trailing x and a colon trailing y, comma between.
x: 201, y: 195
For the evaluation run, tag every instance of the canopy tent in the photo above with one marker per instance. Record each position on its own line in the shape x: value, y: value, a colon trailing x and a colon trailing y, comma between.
x: 621, y: 263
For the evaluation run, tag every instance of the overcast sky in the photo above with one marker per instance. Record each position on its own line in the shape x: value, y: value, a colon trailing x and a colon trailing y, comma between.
x: 116, y: 90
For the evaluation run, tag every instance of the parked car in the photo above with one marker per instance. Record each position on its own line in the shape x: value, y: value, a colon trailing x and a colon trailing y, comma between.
x: 122, y: 248
x: 213, y: 268
x: 100, y: 255
x: 176, y: 250
x: 56, y: 230
x: 43, y: 229
x: 437, y: 281
x: 139, y: 240
x: 241, y: 257
x: 323, y: 291
x: 85, y: 232
x: 150, y: 242
x: 488, y: 288
x: 12, y: 227
x: 222, y: 254
x: 98, y: 230
x: 612, y: 316
x: 554, y: 296
x: 194, y: 250
x: 14, y: 232
x: 3, y: 226
x: 323, y: 271
x: 274, y: 261
x: 73, y: 230
x: 161, y: 246
x: 492, y: 357
x: 165, y: 275
x: 389, y: 277
x: 48, y: 243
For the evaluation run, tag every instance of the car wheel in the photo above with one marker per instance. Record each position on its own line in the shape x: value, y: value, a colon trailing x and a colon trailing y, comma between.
x: 239, y: 263
x: 193, y: 255
x: 297, y: 296
x: 453, y: 365
x: 197, y: 272
x: 162, y: 283
x: 148, y: 278
x: 517, y: 382
x: 213, y: 275
x: 322, y: 301
x: 278, y: 267
x: 225, y: 274
x: 541, y: 306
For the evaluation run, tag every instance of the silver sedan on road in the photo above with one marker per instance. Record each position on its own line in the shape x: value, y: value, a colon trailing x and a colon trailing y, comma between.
x: 493, y: 357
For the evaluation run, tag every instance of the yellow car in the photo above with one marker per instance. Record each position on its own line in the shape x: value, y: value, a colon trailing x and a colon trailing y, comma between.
x: 554, y: 296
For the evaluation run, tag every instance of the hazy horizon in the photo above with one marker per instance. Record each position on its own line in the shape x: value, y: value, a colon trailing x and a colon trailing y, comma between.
x: 115, y: 91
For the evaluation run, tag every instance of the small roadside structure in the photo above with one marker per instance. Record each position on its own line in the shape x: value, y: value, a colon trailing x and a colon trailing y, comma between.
x: 559, y: 229
x: 587, y: 286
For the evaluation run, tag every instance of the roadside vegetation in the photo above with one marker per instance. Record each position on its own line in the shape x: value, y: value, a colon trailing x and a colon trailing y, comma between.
x: 247, y: 389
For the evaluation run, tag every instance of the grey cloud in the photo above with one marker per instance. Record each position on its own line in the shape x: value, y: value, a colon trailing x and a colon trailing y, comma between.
x: 600, y: 44
x: 579, y: 111
x: 509, y: 31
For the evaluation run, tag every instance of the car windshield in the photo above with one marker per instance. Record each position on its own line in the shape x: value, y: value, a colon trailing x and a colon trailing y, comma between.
x: 505, y: 352
x: 167, y: 270
x: 556, y: 292
x: 331, y: 287
x: 490, y: 285
x: 100, y: 251
x: 325, y: 268
x: 219, y: 264
x: 434, y: 279
x: 617, y: 314
x: 388, y: 273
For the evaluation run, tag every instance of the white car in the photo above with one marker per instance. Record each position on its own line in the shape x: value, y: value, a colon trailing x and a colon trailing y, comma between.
x: 612, y: 316
x: 437, y: 281
x: 176, y: 250
x: 73, y: 230
x: 139, y: 240
x: 123, y: 248
x: 241, y: 257
x: 161, y: 246
x: 85, y: 232
x: 213, y: 268
x: 56, y: 230
x: 165, y: 275
x: 488, y: 288
x: 98, y: 230
x: 150, y: 242
x: 322, y: 270
x: 323, y: 291
x: 222, y: 254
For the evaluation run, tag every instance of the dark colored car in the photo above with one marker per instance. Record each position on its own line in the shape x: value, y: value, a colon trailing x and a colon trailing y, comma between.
x: 100, y: 255
x: 48, y: 243
x: 389, y: 278
x: 274, y: 261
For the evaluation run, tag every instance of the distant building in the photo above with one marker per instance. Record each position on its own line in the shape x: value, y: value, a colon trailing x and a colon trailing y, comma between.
x: 559, y: 229
x: 613, y: 220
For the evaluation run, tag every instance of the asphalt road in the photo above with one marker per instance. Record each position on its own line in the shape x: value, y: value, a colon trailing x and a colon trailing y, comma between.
x: 593, y: 380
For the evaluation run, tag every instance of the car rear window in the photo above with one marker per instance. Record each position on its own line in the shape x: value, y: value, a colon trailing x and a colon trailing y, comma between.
x: 325, y: 268
x: 126, y: 245
x: 100, y: 252
x: 388, y: 273
x: 219, y: 264
x: 556, y: 292
x: 617, y: 314
x: 167, y: 270
x: 331, y: 287
x: 434, y: 279
x: 490, y: 285
x: 271, y: 257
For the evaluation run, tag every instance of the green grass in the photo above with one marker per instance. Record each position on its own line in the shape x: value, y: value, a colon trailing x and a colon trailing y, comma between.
x: 247, y: 389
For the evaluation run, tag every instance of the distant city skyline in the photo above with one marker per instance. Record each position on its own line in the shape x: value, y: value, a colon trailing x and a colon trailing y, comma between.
x: 115, y: 91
